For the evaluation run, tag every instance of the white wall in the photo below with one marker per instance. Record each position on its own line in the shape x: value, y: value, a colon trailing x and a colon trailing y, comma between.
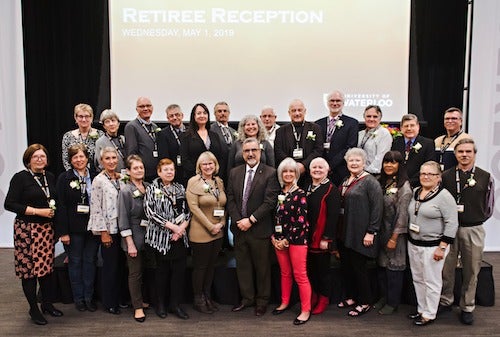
x: 12, y: 107
x: 484, y: 108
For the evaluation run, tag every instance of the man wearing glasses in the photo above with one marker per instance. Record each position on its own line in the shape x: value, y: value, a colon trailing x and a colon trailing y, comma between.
x: 445, y: 144
x: 169, y: 140
x: 141, y: 137
x: 221, y: 125
x: 268, y: 118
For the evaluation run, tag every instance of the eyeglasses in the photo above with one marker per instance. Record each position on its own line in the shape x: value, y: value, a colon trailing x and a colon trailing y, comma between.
x: 144, y: 106
x: 451, y: 118
x: 83, y: 116
x: 222, y: 110
x: 422, y: 174
x: 251, y: 150
x: 267, y: 116
x: 174, y: 115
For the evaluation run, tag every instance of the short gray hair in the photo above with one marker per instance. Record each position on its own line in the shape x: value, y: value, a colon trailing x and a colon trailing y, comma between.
x: 108, y: 114
x: 355, y: 151
x: 288, y: 163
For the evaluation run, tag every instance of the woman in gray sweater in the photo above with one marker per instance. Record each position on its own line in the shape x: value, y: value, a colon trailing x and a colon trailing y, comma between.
x: 432, y: 227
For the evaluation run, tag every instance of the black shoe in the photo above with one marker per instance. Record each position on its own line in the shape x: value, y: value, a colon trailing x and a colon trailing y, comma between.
x: 91, y: 306
x: 297, y: 321
x: 37, y: 317
x: 48, y: 308
x: 414, y: 315
x: 114, y: 311
x: 160, y: 311
x: 467, y: 317
x: 179, y: 312
x: 443, y: 308
x: 422, y: 321
x: 80, y: 306
x: 279, y: 311
x: 140, y: 319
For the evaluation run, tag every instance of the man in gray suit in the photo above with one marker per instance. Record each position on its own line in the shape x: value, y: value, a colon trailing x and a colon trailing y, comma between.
x: 221, y: 126
x: 252, y: 195
x: 140, y: 137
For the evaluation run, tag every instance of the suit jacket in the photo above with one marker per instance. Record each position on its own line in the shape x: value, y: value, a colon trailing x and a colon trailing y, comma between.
x: 216, y: 128
x: 415, y: 158
x: 342, y: 140
x: 284, y: 143
x: 261, y: 202
x: 138, y: 141
x: 192, y: 146
x: 169, y: 147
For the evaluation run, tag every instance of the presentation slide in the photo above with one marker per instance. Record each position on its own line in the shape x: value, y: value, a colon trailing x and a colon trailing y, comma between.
x: 256, y: 53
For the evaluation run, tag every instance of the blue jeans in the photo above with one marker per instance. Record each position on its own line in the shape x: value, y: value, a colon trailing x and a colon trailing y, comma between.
x: 82, y: 256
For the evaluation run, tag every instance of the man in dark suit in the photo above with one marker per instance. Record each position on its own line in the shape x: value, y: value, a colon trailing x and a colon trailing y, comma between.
x: 300, y: 140
x: 221, y: 126
x: 415, y: 149
x: 169, y: 140
x: 140, y: 137
x: 340, y: 133
x: 252, y: 194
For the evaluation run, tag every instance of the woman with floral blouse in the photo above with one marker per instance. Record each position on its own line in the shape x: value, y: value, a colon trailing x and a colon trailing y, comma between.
x: 168, y: 217
x: 290, y: 240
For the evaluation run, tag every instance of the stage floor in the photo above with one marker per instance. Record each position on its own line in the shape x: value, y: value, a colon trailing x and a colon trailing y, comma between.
x: 14, y: 319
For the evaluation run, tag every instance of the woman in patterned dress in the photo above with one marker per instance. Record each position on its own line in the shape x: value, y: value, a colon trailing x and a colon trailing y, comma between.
x: 31, y: 196
x: 84, y: 134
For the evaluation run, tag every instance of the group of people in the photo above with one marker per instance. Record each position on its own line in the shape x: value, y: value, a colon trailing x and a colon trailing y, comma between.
x: 307, y: 190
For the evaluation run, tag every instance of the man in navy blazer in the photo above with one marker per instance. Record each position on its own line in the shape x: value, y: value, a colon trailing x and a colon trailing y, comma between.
x: 252, y: 226
x: 299, y: 140
x: 221, y: 124
x: 340, y: 133
x: 140, y: 137
x: 169, y: 140
x: 418, y: 151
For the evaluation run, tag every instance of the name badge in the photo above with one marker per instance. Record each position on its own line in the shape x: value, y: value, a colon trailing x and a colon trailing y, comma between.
x: 414, y: 228
x: 326, y: 146
x: 218, y: 212
x: 123, y: 172
x: 179, y: 219
x: 298, y: 154
x: 278, y: 229
x: 341, y: 211
x: 460, y: 208
x: 144, y: 223
x: 155, y: 154
x: 82, y: 209
x: 179, y: 161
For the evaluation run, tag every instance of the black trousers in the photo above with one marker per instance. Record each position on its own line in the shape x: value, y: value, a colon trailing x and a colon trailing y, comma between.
x: 355, y: 276
x: 391, y: 285
x: 170, y: 272
x: 204, y: 258
x: 318, y: 269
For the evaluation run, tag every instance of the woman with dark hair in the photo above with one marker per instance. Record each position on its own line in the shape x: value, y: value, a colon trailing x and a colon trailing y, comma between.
x: 103, y: 222
x: 393, y: 232
x: 206, y: 198
x: 168, y: 217
x: 132, y: 224
x: 198, y: 139
x: 31, y: 196
x: 74, y: 191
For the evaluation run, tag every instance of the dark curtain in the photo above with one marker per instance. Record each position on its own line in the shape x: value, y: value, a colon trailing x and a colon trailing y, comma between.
x: 66, y: 52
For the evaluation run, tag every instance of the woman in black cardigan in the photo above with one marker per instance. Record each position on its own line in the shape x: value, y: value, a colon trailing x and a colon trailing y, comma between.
x: 73, y: 189
x: 198, y: 139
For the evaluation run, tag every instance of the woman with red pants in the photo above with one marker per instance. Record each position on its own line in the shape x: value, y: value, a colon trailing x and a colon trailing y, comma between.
x: 290, y: 240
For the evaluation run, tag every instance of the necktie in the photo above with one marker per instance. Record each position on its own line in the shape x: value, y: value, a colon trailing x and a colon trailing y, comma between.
x: 331, y: 129
x: 246, y: 194
x: 227, y: 135
x: 408, y: 146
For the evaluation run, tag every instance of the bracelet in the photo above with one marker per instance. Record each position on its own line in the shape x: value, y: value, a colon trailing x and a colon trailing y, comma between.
x: 392, y: 240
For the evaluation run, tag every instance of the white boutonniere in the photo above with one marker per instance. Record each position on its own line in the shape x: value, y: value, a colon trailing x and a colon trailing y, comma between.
x: 311, y: 135
x: 471, y: 181
x: 339, y: 124
x: 75, y: 184
x: 137, y: 194
x: 235, y: 134
x: 416, y: 147
x: 374, y: 133
x: 93, y: 134
x: 392, y: 190
x: 206, y: 187
x: 125, y: 178
x: 261, y: 146
x: 281, y: 199
x: 157, y: 130
x: 158, y: 192
x: 52, y: 204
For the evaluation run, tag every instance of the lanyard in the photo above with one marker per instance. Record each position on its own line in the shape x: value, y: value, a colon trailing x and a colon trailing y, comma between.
x: 215, y: 193
x: 44, y: 186
x: 296, y: 135
x: 175, y: 134
x: 457, y: 179
x: 114, y: 182
x: 120, y: 143
x: 311, y: 189
x: 170, y: 196
x: 367, y: 136
x: 151, y: 133
x: 418, y: 201
x: 83, y: 185
x: 444, y: 146
x: 346, y: 186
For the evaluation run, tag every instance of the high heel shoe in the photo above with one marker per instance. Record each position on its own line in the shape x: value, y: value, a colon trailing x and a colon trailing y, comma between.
x: 37, y: 317
x: 48, y: 308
